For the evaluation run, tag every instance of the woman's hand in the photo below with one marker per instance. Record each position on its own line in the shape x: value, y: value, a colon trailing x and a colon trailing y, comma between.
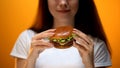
x: 38, y: 44
x: 85, y: 46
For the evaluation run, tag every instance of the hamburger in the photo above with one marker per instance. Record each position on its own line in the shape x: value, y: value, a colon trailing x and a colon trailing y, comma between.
x: 63, y: 37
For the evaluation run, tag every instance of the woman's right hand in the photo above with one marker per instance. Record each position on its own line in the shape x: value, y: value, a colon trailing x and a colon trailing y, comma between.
x: 38, y: 44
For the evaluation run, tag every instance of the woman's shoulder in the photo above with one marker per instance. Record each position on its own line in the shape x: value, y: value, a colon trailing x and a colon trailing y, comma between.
x: 97, y: 41
x: 27, y: 33
x: 99, y: 45
x: 22, y: 44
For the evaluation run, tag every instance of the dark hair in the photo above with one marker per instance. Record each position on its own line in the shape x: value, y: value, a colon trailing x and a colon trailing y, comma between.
x: 86, y: 19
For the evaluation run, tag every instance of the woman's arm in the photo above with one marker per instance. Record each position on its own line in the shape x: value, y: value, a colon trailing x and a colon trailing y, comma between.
x: 29, y: 62
x: 20, y: 63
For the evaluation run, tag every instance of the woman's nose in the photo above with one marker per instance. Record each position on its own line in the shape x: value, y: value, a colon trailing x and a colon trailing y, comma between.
x: 63, y: 3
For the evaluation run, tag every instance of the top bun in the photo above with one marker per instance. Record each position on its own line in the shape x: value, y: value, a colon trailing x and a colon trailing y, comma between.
x: 62, y: 32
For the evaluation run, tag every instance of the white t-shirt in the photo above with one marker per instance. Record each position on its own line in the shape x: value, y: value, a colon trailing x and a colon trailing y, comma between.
x: 59, y: 58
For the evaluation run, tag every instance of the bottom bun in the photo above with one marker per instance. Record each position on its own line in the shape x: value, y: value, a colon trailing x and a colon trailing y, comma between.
x: 67, y: 45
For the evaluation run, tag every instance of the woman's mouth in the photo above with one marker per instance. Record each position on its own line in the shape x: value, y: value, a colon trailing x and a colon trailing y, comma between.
x: 63, y: 11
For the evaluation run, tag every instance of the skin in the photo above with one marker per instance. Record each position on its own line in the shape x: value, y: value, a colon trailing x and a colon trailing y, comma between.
x: 85, y: 47
x: 63, y: 12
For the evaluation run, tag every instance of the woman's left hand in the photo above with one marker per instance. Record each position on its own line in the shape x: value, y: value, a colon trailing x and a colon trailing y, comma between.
x: 85, y: 46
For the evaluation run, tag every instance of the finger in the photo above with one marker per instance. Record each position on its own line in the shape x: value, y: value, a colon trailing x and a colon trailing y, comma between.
x: 47, y: 33
x: 82, y: 35
x: 43, y: 46
x: 91, y: 40
x: 41, y: 43
x: 80, y: 48
x: 87, y: 39
x: 50, y: 30
x: 43, y: 35
x: 81, y: 42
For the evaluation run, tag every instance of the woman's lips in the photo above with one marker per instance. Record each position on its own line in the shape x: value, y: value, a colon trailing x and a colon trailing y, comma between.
x: 63, y: 11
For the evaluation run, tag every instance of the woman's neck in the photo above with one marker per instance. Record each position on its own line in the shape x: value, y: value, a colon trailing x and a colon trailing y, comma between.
x: 58, y: 23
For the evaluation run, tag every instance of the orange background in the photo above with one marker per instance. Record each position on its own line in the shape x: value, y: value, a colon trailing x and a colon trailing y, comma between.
x: 17, y: 15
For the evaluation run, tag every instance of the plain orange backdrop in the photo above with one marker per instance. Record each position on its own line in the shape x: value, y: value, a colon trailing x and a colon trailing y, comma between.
x: 17, y: 15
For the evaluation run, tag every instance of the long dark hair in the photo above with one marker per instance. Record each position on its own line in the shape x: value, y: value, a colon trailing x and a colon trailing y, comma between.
x: 86, y: 19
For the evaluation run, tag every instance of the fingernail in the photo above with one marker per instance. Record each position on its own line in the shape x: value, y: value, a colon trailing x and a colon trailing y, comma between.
x: 77, y: 42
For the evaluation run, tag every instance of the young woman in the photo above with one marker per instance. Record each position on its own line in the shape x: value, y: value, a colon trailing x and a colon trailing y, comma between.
x: 33, y: 50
